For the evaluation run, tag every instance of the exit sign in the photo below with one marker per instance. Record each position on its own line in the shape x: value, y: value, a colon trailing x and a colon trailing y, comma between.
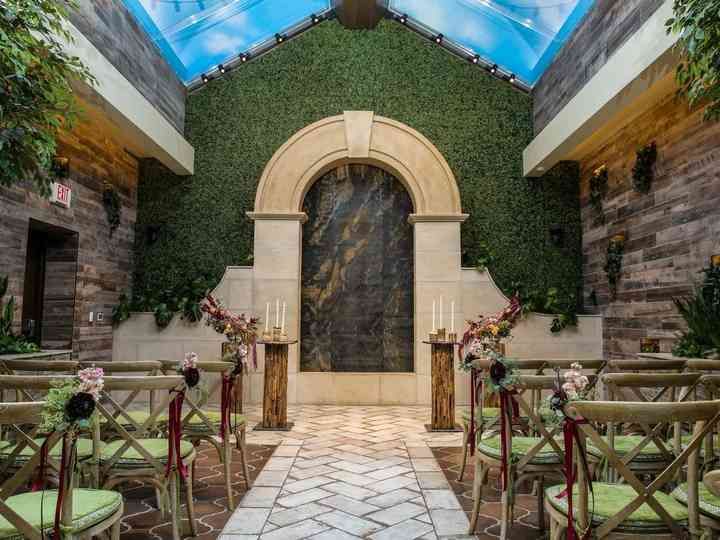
x: 61, y: 194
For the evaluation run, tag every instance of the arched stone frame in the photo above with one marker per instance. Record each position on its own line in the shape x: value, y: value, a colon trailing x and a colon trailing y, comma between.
x: 359, y: 137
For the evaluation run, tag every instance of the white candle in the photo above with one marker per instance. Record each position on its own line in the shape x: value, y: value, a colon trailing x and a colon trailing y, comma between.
x: 433, y: 329
x: 267, y: 317
x: 441, y: 313
x: 452, y: 317
x: 283, y: 319
x: 277, y: 312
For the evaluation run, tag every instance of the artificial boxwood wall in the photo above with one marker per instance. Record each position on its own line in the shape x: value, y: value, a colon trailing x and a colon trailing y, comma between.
x: 197, y: 225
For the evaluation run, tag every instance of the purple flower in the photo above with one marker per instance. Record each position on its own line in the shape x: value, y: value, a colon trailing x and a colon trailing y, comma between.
x: 497, y: 372
x: 80, y: 407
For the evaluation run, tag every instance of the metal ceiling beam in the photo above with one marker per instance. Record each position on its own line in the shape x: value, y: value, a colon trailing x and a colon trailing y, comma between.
x: 360, y: 14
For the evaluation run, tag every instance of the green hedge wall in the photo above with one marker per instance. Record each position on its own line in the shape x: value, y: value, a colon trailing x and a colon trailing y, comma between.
x: 480, y: 124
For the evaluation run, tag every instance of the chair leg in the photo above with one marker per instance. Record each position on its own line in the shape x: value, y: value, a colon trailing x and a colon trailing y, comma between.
x: 540, y: 484
x: 477, y: 495
x: 174, y: 506
x: 189, y: 500
x: 466, y: 440
x: 115, y: 530
x: 243, y: 456
x: 227, y: 466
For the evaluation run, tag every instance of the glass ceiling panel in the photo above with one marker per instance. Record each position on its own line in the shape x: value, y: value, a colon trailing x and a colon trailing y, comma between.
x: 197, y: 35
x: 521, y: 36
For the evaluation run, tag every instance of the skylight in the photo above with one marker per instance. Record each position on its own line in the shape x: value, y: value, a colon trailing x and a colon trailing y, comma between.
x: 197, y: 35
x: 520, y: 36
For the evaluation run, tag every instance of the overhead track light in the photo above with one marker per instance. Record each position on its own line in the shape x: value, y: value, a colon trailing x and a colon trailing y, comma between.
x: 403, y: 19
x: 494, y: 69
x: 475, y: 59
x: 279, y: 38
x: 439, y: 38
x: 204, y: 78
x: 221, y: 69
x: 512, y: 78
x: 315, y: 18
x: 244, y: 57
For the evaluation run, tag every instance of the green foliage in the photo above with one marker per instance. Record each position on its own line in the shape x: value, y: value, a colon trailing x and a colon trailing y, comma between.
x: 111, y: 202
x: 598, y: 190
x: 54, y: 416
x: 702, y: 316
x: 36, y: 99
x: 698, y: 23
x: 165, y: 303
x: 613, y: 263
x: 10, y: 343
x: 643, y: 171
x: 564, y: 307
x: 481, y: 126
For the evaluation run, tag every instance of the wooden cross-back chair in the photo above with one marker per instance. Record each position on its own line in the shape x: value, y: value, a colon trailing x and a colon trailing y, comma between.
x: 534, y: 458
x: 643, y: 365
x: 202, y: 424
x: 36, y: 367
x: 141, y: 411
x: 136, y: 455
x: 84, y: 513
x: 652, y: 448
x: 34, y: 388
x: 633, y: 510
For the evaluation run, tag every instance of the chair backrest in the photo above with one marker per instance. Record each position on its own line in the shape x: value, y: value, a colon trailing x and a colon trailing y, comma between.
x: 39, y: 366
x: 214, y: 386
x: 149, y: 367
x: 703, y: 414
x: 646, y: 364
x: 17, y: 416
x: 120, y: 422
x: 704, y: 365
x: 664, y: 388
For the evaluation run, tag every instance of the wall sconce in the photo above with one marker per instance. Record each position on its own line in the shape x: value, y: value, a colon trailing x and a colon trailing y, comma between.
x: 60, y: 167
x: 557, y: 236
x: 715, y: 260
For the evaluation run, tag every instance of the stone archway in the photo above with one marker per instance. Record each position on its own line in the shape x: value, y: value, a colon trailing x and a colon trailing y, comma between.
x: 358, y: 137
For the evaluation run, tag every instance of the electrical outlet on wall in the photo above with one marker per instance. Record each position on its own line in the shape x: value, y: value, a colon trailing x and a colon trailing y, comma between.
x: 100, y: 316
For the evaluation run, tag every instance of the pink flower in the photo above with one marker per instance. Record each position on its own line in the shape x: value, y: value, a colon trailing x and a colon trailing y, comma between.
x: 91, y: 381
x: 190, y: 361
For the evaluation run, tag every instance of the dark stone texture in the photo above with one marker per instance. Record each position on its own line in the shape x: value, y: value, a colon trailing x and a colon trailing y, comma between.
x: 357, y: 273
x: 117, y: 35
x: 605, y: 28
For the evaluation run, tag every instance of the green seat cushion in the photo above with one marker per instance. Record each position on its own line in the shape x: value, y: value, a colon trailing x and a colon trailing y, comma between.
x: 157, y: 448
x: 90, y: 507
x: 84, y: 450
x: 607, y: 500
x: 520, y: 447
x: 138, y: 416
x: 709, y: 503
x: 626, y: 443
x: 214, y: 416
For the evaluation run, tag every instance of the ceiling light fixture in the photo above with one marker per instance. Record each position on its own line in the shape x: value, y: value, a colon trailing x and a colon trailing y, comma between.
x: 475, y: 59
x: 221, y: 69
x: 439, y: 38
x: 494, y: 69
x: 513, y: 78
x: 204, y: 78
x: 279, y: 38
x: 244, y: 57
x: 403, y: 18
x: 315, y: 18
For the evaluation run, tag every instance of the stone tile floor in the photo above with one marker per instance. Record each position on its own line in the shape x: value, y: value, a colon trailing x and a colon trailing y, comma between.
x: 344, y: 473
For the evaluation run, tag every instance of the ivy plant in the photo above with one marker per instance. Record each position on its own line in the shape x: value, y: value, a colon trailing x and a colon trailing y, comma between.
x: 643, y: 171
x: 113, y: 207
x: 551, y: 302
x: 36, y: 98
x: 701, y: 313
x: 598, y: 190
x: 613, y: 263
x: 698, y: 23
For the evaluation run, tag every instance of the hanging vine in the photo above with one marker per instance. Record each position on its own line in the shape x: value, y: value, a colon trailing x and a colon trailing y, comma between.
x: 598, y: 190
x: 613, y: 263
x: 111, y: 202
x: 643, y: 172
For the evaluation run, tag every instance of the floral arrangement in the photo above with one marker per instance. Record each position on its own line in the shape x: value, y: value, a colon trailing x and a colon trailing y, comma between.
x: 188, y: 369
x: 239, y: 330
x: 503, y: 374
x: 572, y: 386
x: 70, y: 404
x: 482, y: 334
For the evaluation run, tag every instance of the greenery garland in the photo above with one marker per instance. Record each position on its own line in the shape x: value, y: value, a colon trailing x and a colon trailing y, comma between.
x: 37, y: 100
x: 643, y: 171
x: 598, y: 190
x: 698, y: 75
x: 613, y: 263
x: 113, y: 206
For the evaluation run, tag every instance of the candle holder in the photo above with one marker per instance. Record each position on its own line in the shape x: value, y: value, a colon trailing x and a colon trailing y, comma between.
x: 452, y: 337
x: 276, y: 333
x: 267, y: 335
x: 433, y: 337
x: 441, y: 334
x: 283, y: 336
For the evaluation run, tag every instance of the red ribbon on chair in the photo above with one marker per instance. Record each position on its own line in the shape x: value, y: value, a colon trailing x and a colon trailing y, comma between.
x: 570, y: 437
x: 175, y: 434
x: 508, y: 409
x: 228, y: 382
x: 473, y: 401
x: 39, y: 482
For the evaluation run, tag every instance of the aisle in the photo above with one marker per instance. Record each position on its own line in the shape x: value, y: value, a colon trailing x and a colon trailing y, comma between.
x: 350, y: 472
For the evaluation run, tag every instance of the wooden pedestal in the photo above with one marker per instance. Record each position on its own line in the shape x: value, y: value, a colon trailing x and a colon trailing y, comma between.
x: 275, y: 390
x: 443, y: 387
